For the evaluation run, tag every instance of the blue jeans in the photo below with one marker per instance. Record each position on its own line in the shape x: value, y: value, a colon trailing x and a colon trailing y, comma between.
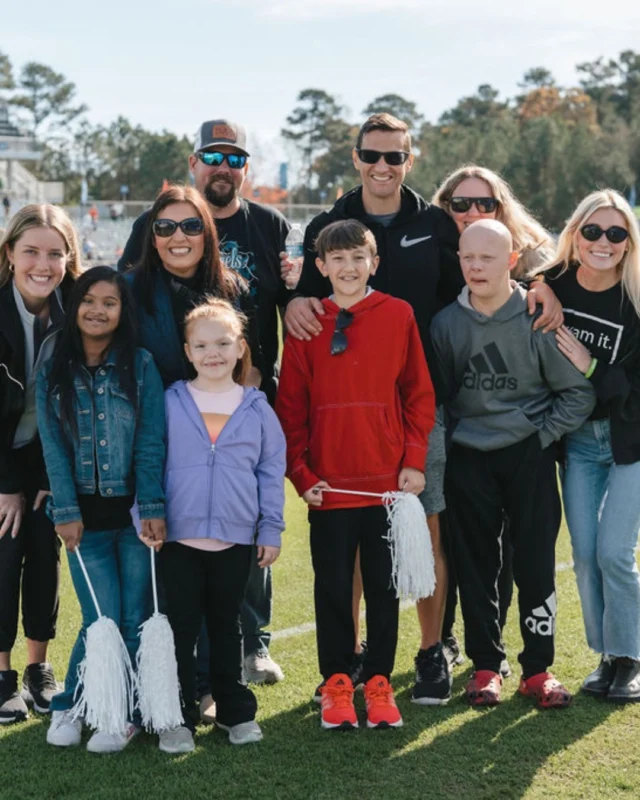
x: 602, y: 507
x: 120, y: 571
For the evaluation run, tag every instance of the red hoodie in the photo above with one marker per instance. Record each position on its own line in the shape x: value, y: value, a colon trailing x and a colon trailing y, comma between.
x: 357, y: 418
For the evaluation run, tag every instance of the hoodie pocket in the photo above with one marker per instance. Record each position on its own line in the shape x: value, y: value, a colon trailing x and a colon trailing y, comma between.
x: 354, y: 441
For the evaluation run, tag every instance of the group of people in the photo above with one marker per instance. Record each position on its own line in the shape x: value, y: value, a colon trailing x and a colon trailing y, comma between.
x: 447, y: 349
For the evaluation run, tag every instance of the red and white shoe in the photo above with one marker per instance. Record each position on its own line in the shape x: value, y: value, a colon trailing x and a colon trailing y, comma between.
x: 382, y: 711
x: 336, y: 704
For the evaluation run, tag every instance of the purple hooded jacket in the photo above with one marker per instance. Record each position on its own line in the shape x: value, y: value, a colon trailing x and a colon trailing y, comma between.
x: 230, y: 489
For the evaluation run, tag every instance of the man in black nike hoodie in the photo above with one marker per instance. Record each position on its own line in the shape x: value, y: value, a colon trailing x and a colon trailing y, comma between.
x: 509, y: 394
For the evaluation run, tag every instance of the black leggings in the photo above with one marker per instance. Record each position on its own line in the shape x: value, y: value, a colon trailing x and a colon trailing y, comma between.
x: 33, y: 560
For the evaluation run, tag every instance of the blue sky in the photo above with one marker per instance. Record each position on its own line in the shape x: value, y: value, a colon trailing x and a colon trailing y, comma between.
x: 173, y: 64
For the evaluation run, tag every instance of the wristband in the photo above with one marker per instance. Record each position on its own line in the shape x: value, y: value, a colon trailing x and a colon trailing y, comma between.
x: 592, y: 368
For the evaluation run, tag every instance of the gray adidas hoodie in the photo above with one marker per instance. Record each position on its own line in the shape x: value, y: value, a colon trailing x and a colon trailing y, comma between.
x: 502, y: 380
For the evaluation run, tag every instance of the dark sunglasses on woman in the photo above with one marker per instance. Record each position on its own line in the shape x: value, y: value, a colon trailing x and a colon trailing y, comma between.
x: 615, y: 234
x: 485, y: 205
x: 192, y: 226
x: 394, y: 158
x: 339, y: 339
x: 214, y: 158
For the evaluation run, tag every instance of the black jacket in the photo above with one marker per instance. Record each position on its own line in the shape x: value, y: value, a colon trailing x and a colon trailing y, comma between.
x: 12, y: 391
x: 418, y: 257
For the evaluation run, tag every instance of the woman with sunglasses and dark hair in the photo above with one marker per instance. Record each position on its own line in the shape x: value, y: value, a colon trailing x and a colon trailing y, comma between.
x: 472, y: 193
x: 180, y: 266
x: 596, y: 276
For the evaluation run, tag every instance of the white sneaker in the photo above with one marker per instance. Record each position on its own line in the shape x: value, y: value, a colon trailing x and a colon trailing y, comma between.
x: 102, y: 742
x: 261, y: 668
x: 207, y: 709
x: 177, y: 740
x: 64, y: 731
x: 243, y: 732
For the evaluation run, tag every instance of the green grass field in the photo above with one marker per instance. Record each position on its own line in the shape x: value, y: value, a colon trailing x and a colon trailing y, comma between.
x: 588, y: 751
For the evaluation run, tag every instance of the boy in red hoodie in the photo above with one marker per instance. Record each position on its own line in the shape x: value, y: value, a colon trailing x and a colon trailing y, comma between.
x: 357, y: 405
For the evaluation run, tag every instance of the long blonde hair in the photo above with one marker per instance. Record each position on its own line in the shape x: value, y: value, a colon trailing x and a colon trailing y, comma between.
x: 40, y: 215
x: 530, y: 239
x: 566, y: 252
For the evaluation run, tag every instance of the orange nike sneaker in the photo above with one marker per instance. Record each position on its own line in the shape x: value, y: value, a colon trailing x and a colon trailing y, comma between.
x: 336, y: 704
x: 382, y: 711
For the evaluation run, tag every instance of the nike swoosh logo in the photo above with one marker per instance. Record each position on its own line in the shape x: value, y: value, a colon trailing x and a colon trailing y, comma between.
x: 404, y: 242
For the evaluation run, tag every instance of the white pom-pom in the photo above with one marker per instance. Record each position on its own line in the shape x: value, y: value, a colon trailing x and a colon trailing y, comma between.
x: 409, y: 539
x: 107, y: 679
x: 158, y: 687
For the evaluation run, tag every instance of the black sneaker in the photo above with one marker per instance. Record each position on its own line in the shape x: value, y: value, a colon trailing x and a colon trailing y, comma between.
x: 433, y: 677
x: 39, y: 686
x: 12, y: 706
x: 598, y: 682
x: 355, y: 673
x: 452, y: 653
x: 626, y: 684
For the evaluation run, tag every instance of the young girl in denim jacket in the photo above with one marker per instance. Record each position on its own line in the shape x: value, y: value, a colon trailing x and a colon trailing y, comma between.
x: 101, y: 421
x: 224, y: 486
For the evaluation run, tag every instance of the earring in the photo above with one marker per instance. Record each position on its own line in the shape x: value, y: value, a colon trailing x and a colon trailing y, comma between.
x: 11, y: 268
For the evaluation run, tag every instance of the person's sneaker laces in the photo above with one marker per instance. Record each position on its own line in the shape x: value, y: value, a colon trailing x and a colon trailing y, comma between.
x: 337, y: 711
x: 433, y: 677
x: 177, y: 740
x: 64, y: 730
x: 12, y: 706
x: 382, y: 711
x: 243, y: 732
x: 261, y: 668
x: 102, y: 742
x: 39, y: 686
x: 355, y: 672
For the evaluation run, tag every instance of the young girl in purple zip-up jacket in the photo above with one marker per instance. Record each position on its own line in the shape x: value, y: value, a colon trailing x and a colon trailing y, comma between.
x: 224, y: 485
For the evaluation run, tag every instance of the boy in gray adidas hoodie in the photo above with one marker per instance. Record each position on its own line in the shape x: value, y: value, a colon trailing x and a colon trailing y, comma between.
x: 509, y: 395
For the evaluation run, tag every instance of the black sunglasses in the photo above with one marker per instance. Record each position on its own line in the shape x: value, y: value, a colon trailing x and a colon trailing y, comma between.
x: 485, y: 205
x: 393, y: 157
x: 214, y: 158
x: 339, y: 340
x: 192, y: 226
x: 615, y: 234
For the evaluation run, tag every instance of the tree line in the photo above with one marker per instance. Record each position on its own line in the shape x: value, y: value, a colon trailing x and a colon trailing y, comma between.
x: 554, y: 144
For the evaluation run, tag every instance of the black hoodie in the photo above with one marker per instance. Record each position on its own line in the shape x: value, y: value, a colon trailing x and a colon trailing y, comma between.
x: 418, y: 256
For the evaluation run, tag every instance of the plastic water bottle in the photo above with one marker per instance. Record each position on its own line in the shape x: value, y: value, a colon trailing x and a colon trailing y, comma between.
x: 294, y: 245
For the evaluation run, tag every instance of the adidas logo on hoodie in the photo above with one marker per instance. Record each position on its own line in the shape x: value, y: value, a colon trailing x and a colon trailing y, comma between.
x: 487, y: 371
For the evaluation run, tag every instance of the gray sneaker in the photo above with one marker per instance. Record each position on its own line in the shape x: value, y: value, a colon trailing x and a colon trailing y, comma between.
x: 64, y: 730
x: 177, y: 740
x: 243, y: 732
x: 261, y: 668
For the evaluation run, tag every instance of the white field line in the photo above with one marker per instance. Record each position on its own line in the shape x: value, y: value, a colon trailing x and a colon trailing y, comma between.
x: 308, y: 627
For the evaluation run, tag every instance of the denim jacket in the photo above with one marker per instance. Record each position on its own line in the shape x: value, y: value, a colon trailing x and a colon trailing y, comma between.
x: 129, y: 444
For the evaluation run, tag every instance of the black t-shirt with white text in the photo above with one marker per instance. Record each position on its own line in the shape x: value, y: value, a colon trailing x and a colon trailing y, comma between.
x: 597, y: 319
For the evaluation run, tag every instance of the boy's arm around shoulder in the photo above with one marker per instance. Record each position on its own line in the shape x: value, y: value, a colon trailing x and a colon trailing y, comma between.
x: 573, y: 396
x: 418, y: 399
x: 292, y: 407
x: 270, y: 473
x: 58, y: 456
x: 149, y: 445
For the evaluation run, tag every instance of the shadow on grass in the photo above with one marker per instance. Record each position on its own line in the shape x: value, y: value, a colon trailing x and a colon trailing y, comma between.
x: 440, y: 752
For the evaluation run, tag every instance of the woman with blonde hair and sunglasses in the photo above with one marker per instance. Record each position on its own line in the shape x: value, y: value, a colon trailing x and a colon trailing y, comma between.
x: 472, y: 193
x: 469, y: 194
x: 596, y: 276
x: 39, y: 261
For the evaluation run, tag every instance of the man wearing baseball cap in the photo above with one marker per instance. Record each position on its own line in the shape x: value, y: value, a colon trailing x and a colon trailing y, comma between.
x: 251, y: 237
